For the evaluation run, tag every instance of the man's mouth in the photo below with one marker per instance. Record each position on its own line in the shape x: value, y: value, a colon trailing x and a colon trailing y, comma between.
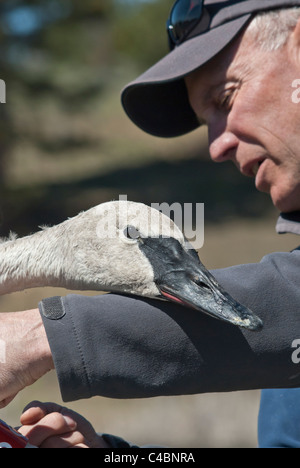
x: 251, y: 168
x: 256, y: 167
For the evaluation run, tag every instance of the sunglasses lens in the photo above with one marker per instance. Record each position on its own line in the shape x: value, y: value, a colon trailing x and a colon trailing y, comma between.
x: 184, y: 16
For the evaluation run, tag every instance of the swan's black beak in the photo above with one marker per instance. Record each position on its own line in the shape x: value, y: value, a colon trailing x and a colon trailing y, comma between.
x: 182, y: 278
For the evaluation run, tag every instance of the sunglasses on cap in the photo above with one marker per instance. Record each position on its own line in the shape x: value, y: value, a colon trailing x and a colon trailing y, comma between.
x: 187, y: 19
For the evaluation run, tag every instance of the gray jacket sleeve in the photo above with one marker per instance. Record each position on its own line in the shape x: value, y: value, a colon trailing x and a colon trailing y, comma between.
x: 127, y: 347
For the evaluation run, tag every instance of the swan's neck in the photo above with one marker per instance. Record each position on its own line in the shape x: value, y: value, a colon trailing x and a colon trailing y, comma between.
x: 32, y: 261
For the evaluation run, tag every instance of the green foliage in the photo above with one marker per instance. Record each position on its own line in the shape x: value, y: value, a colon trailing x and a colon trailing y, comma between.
x: 64, y: 61
x: 141, y: 35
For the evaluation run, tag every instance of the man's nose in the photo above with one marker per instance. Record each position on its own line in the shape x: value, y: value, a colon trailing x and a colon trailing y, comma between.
x: 223, y: 147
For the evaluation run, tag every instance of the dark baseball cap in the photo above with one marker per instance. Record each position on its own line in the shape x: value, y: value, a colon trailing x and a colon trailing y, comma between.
x: 157, y: 101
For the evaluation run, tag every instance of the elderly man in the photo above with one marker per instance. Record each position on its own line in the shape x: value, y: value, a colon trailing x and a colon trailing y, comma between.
x: 232, y: 66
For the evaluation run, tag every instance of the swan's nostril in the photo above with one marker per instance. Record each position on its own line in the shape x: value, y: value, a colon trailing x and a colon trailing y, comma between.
x: 195, y: 279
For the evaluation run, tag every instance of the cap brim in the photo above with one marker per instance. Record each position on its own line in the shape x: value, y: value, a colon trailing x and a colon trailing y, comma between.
x: 157, y: 101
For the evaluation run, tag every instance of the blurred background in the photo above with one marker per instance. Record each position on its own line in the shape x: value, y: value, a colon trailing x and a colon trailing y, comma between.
x: 66, y: 145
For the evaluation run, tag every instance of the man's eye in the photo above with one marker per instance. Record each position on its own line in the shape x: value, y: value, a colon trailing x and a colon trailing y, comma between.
x: 225, y: 101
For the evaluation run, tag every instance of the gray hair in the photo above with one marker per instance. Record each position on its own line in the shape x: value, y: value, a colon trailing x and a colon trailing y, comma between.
x: 271, y: 29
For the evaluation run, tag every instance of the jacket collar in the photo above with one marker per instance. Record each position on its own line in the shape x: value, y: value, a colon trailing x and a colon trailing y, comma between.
x: 289, y: 223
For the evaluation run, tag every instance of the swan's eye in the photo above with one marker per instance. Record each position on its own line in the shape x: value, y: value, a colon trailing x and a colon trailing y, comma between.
x: 131, y: 232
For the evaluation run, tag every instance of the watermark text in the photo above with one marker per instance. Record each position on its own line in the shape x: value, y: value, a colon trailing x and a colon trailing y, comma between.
x: 296, y: 353
x: 296, y: 93
x: 2, y: 352
x: 2, y: 92
x: 188, y: 217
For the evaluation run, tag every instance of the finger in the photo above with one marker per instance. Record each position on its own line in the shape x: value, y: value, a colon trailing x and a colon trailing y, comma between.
x: 92, y: 439
x: 67, y: 440
x: 50, y: 425
x: 83, y: 425
x: 32, y: 416
x: 36, y: 410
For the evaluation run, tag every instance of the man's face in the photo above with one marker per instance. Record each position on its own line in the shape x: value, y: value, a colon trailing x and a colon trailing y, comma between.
x: 245, y: 97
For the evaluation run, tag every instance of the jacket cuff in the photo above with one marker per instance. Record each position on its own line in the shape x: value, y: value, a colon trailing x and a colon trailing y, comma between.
x: 69, y: 360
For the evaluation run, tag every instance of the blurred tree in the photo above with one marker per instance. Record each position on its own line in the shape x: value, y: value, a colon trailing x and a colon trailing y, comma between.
x: 58, y: 58
x: 64, y: 50
x: 49, y: 49
x: 139, y: 30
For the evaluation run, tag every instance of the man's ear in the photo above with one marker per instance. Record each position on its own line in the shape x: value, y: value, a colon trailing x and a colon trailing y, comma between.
x: 294, y: 44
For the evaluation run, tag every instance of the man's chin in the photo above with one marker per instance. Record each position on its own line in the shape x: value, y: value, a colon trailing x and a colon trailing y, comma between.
x: 288, y: 203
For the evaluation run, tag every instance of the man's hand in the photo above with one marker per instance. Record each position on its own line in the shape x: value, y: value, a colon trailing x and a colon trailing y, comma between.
x: 25, y: 353
x: 48, y: 425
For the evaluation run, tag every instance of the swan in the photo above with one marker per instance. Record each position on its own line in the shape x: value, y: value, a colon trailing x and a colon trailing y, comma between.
x: 123, y: 247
